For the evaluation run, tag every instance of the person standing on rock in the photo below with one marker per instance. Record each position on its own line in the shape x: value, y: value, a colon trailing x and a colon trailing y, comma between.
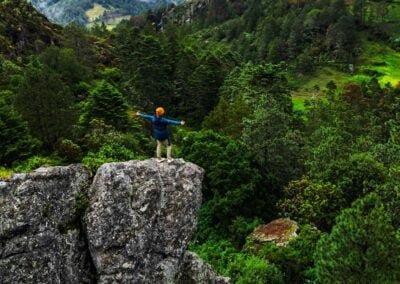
x: 160, y: 131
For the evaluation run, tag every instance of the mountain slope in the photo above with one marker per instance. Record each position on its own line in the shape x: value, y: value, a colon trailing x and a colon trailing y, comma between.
x: 87, y: 11
x: 23, y: 29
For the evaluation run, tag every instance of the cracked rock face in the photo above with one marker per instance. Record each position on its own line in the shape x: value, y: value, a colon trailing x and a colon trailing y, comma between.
x: 132, y: 224
x: 141, y: 218
x: 39, y: 242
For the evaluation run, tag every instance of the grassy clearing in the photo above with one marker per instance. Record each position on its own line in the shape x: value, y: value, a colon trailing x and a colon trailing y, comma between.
x: 382, y: 59
x: 313, y: 86
x: 94, y: 13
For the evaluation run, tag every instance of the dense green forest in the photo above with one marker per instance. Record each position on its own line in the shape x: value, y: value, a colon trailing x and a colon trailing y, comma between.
x: 292, y: 108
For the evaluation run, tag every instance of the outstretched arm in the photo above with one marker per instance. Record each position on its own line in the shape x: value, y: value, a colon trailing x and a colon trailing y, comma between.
x: 173, y: 122
x: 145, y: 116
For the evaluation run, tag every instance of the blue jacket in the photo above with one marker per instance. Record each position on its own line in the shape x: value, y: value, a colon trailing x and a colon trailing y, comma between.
x: 160, y: 130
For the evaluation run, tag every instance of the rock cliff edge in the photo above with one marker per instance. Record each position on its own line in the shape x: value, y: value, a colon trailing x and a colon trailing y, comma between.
x: 131, y: 224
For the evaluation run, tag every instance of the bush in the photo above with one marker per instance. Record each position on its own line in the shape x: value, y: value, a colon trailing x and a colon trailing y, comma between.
x: 249, y: 269
x: 358, y: 175
x: 107, y: 154
x: 362, y: 247
x: 312, y: 202
x: 241, y: 267
x: 100, y: 134
x: 69, y: 151
x: 15, y: 141
x: 296, y: 260
x: 37, y: 162
x: 232, y: 185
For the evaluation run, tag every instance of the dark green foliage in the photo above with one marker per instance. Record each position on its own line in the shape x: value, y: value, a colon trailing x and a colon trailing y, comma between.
x: 358, y: 175
x: 15, y: 140
x: 9, y: 74
x: 241, y: 267
x: 172, y: 70
x: 36, y: 162
x: 312, y: 202
x: 276, y: 146
x: 232, y: 185
x: 242, y: 91
x: 218, y: 11
x: 46, y: 103
x: 149, y: 72
x: 296, y: 260
x: 105, y: 144
x: 362, y: 247
x: 227, y: 117
x: 65, y: 63
x: 87, y: 50
x: 69, y: 151
x: 23, y: 30
x: 276, y: 31
x: 107, y: 154
x: 106, y: 103
x: 81, y: 204
x: 390, y: 195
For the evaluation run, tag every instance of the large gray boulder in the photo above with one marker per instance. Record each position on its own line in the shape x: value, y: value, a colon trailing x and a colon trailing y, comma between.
x: 40, y: 238
x: 141, y: 218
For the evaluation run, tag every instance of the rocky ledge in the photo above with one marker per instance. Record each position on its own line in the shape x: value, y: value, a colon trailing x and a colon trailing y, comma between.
x: 132, y: 224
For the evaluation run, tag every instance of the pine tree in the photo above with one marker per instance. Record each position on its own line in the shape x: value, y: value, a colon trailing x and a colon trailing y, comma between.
x: 46, y: 103
x: 147, y: 66
x: 253, y: 14
x: 362, y: 247
x: 15, y: 140
x: 106, y: 103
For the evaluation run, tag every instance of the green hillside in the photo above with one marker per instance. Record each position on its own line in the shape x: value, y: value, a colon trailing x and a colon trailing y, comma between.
x: 84, y: 12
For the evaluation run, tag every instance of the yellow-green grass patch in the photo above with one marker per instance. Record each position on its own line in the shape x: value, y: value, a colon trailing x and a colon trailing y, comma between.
x: 382, y: 59
x: 96, y: 12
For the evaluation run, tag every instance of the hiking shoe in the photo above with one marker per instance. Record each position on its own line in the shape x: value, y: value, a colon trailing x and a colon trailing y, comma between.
x: 161, y: 160
x: 170, y: 161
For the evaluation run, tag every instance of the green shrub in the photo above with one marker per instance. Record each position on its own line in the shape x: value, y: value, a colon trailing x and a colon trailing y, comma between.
x: 37, y: 162
x: 69, y: 151
x: 312, y: 202
x: 241, y: 267
x: 296, y: 260
x: 362, y: 246
x: 233, y: 186
x: 107, y: 154
x: 249, y: 269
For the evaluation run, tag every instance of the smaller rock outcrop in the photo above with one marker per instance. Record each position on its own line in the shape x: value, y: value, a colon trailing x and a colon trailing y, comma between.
x: 279, y: 232
x: 194, y: 271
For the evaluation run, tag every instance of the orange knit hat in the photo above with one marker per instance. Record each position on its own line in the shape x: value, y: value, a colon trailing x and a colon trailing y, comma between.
x: 160, y: 111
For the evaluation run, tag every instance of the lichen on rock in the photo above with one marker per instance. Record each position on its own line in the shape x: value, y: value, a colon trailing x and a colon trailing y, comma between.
x: 279, y: 232
x: 38, y: 243
x: 141, y: 218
